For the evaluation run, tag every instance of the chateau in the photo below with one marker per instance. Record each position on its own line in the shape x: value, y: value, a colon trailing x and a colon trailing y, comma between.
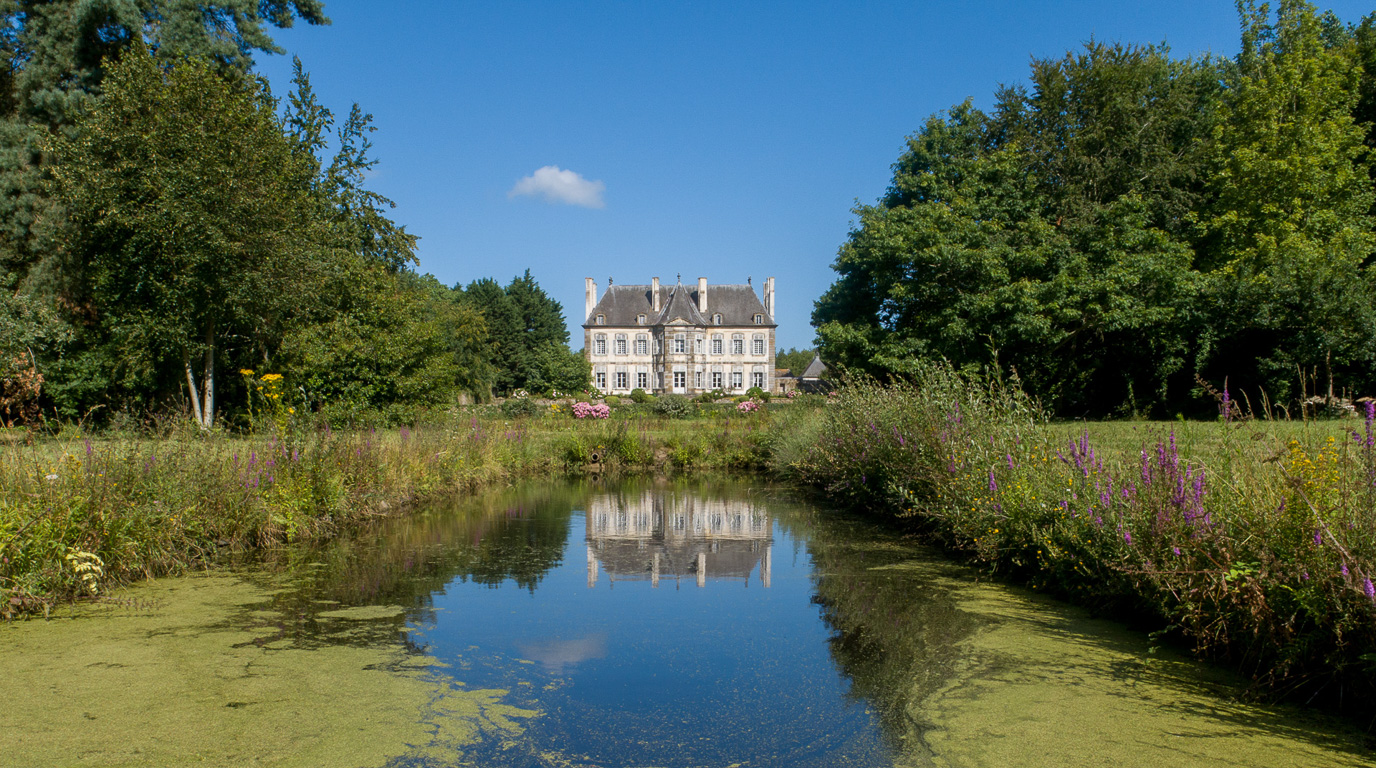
x: 675, y: 338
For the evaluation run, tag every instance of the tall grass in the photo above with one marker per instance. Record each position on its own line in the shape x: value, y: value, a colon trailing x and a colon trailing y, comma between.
x: 1257, y: 543
x: 82, y: 514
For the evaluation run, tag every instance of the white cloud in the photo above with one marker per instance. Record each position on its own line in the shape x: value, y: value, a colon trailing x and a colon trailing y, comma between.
x: 559, y: 186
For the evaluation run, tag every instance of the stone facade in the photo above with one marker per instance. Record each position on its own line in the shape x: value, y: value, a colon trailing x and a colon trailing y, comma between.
x: 683, y: 339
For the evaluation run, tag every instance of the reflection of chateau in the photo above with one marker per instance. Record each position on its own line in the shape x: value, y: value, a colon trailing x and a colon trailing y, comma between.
x: 657, y: 537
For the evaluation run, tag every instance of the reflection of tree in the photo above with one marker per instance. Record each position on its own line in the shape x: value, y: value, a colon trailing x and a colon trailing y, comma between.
x: 895, y: 631
x: 403, y: 561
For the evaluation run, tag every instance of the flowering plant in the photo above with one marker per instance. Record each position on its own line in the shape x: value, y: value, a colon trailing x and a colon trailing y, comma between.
x: 585, y: 410
x: 748, y: 406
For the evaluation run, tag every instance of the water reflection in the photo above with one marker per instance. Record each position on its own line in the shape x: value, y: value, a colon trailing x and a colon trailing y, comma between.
x: 651, y: 536
x: 865, y: 650
x: 556, y: 655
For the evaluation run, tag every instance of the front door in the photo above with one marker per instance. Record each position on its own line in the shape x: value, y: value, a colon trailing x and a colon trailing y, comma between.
x: 680, y: 382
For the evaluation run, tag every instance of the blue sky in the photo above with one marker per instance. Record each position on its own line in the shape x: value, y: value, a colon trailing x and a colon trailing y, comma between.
x: 730, y: 140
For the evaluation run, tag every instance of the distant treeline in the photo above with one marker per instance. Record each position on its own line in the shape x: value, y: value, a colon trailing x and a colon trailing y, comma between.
x: 170, y: 232
x: 1127, y: 221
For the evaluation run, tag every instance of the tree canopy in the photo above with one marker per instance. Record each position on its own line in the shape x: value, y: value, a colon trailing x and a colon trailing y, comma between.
x: 1128, y: 221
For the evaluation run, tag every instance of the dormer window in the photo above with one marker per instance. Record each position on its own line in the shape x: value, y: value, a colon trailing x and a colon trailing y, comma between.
x: 639, y: 319
x: 759, y: 319
x: 716, y: 319
x: 601, y: 320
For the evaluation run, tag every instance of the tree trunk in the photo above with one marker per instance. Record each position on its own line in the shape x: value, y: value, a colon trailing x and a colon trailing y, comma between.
x: 208, y: 417
x: 191, y: 387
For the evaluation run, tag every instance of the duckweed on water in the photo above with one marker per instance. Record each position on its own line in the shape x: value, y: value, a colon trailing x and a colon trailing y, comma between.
x: 186, y: 671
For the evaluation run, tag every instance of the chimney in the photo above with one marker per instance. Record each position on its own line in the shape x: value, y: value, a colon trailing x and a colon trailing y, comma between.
x: 654, y: 292
x: 589, y: 296
x: 769, y: 297
x: 702, y: 295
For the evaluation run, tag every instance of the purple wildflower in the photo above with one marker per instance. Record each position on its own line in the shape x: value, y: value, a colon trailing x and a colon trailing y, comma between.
x: 1127, y: 537
x: 1176, y: 550
x: 1344, y: 569
x: 1369, y: 588
x: 1318, y: 537
x: 993, y: 486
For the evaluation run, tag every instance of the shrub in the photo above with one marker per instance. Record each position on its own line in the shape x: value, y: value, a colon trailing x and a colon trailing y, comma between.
x: 639, y: 395
x: 612, y: 400
x: 755, y: 393
x: 674, y: 406
x: 517, y: 407
x: 587, y: 410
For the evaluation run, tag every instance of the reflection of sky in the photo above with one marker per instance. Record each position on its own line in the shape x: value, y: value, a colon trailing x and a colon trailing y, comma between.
x: 554, y: 655
x: 674, y: 676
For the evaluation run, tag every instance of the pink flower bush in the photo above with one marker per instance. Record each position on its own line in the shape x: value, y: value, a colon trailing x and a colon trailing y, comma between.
x: 585, y: 410
x: 748, y: 406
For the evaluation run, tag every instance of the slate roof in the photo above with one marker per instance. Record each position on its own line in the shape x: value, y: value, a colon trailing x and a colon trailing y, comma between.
x: 682, y: 306
x: 815, y: 369
x: 738, y: 305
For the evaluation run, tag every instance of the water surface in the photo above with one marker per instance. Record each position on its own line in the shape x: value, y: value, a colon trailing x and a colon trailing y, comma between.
x: 643, y: 624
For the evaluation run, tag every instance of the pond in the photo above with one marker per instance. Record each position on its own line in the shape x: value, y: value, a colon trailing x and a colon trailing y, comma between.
x: 629, y: 625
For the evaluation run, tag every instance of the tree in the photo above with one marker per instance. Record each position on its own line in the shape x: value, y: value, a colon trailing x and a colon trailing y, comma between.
x: 525, y: 327
x: 395, y: 339
x: 190, y: 222
x: 1289, y: 229
x: 1049, y: 237
x: 505, y: 337
x: 557, y: 369
x: 795, y: 360
x: 56, y: 55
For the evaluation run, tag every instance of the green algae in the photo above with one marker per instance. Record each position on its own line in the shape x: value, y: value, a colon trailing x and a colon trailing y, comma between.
x: 364, y: 612
x: 202, y: 679
x: 1038, y: 683
x: 219, y: 670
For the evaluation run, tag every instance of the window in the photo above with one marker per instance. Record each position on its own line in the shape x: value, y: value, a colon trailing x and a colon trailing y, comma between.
x: 600, y: 378
x: 757, y: 345
x: 736, y: 379
x: 642, y: 380
x: 680, y: 379
x: 716, y: 344
x: 642, y: 344
x: 757, y: 379
x: 759, y: 319
x: 680, y: 345
x: 639, y: 319
x: 620, y: 344
x: 601, y: 320
x: 737, y: 345
x: 716, y: 319
x: 716, y: 379
x: 699, y: 380
x: 621, y: 380
x: 599, y: 344
x: 697, y: 339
